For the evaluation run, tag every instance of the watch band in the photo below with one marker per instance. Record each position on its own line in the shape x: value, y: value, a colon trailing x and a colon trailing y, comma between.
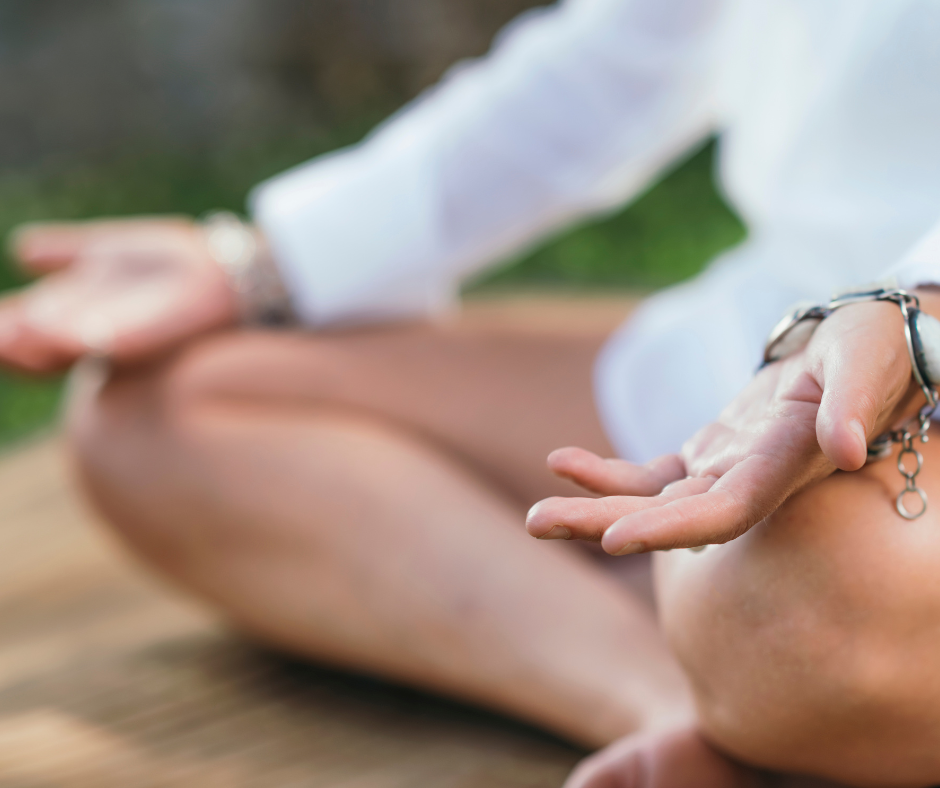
x: 250, y: 270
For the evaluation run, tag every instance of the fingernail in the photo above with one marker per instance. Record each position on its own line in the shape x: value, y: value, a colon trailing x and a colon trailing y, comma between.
x: 859, y: 429
x: 630, y: 548
x: 557, y: 532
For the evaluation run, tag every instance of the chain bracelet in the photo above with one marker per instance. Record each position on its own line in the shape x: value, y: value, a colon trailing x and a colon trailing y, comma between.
x: 906, y: 303
x: 880, y: 448
x: 904, y: 436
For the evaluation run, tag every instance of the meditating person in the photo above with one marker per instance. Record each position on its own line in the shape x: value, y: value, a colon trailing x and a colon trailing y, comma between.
x: 346, y: 474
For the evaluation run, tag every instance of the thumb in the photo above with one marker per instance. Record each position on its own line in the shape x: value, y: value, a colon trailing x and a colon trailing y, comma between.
x: 863, y: 378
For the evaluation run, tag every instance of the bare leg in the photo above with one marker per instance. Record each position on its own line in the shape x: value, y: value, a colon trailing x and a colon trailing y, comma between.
x: 814, y: 649
x: 811, y: 643
x: 359, y: 499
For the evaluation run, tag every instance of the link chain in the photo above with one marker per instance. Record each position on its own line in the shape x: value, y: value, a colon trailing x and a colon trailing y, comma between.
x: 882, y: 446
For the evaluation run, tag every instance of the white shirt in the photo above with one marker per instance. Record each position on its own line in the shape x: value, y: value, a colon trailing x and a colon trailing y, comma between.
x: 828, y: 113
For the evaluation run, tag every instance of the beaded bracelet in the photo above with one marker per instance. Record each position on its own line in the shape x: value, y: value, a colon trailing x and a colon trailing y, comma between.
x: 922, y: 334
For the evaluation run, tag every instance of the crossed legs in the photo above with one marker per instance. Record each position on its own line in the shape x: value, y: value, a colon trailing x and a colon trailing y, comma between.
x: 359, y: 499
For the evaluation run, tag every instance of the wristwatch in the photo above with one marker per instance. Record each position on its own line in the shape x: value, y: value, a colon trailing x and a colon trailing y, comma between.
x: 250, y: 269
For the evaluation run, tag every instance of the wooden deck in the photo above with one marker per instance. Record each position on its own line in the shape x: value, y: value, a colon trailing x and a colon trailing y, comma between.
x: 108, y: 679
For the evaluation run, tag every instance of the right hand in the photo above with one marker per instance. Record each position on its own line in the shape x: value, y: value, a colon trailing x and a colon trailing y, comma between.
x: 796, y: 422
x: 128, y: 289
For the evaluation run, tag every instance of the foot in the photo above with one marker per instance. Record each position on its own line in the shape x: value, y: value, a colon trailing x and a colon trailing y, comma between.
x: 679, y: 759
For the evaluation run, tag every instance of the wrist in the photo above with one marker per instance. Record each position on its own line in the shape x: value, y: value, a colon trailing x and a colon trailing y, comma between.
x: 242, y: 253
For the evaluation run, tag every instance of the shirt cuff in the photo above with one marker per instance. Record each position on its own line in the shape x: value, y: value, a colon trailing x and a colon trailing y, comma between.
x: 353, y: 235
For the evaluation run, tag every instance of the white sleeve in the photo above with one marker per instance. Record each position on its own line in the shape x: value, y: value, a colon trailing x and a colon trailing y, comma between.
x: 573, y: 112
x: 920, y: 266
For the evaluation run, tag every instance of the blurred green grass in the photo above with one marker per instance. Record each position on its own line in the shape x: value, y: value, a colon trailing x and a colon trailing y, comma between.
x: 665, y: 236
x: 668, y: 234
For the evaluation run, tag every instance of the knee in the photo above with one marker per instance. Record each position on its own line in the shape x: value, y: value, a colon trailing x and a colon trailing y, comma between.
x: 132, y: 434
x: 810, y: 641
x: 112, y: 415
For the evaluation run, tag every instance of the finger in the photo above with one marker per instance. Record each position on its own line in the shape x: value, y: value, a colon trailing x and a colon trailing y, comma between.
x: 587, y: 519
x: 23, y: 349
x: 717, y: 512
x: 47, y: 327
x: 42, y: 247
x: 579, y: 518
x: 126, y: 321
x: 615, y: 477
x: 861, y: 377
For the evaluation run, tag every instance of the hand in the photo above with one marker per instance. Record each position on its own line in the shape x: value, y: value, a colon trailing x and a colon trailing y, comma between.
x: 128, y: 289
x: 798, y: 421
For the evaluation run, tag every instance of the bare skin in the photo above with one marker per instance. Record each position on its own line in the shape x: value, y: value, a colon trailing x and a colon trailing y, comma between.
x: 808, y: 631
x: 809, y: 642
x: 399, y: 548
x: 356, y: 498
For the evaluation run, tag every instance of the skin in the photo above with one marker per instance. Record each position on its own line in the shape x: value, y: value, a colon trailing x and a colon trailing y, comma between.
x: 798, y: 421
x: 830, y: 625
x: 799, y: 658
x: 810, y: 640
x: 356, y: 497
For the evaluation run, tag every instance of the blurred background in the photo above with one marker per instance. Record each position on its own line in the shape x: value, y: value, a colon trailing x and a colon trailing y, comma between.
x: 116, y: 107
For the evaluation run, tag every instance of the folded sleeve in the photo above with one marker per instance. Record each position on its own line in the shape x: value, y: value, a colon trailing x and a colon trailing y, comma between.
x: 574, y: 110
x: 920, y: 266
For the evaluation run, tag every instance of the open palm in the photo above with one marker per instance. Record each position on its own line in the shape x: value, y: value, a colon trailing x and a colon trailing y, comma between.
x: 797, y: 421
x: 124, y: 288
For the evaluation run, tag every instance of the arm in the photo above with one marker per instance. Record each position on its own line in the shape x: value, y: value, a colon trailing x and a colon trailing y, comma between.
x: 573, y: 112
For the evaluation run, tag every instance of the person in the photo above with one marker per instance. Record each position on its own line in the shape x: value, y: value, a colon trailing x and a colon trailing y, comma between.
x: 354, y: 492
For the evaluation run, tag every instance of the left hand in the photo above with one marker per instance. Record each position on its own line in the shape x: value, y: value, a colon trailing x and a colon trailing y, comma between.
x: 796, y: 422
x: 129, y: 289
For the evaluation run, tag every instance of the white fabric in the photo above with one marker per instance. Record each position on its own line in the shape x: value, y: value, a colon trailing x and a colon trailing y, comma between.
x: 829, y: 118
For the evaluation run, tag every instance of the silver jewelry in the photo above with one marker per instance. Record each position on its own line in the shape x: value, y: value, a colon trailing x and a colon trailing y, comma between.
x: 922, y: 333
x: 251, y: 272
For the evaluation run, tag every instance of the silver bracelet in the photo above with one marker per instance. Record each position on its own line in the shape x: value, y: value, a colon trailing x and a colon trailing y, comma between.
x: 250, y: 270
x: 922, y: 333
